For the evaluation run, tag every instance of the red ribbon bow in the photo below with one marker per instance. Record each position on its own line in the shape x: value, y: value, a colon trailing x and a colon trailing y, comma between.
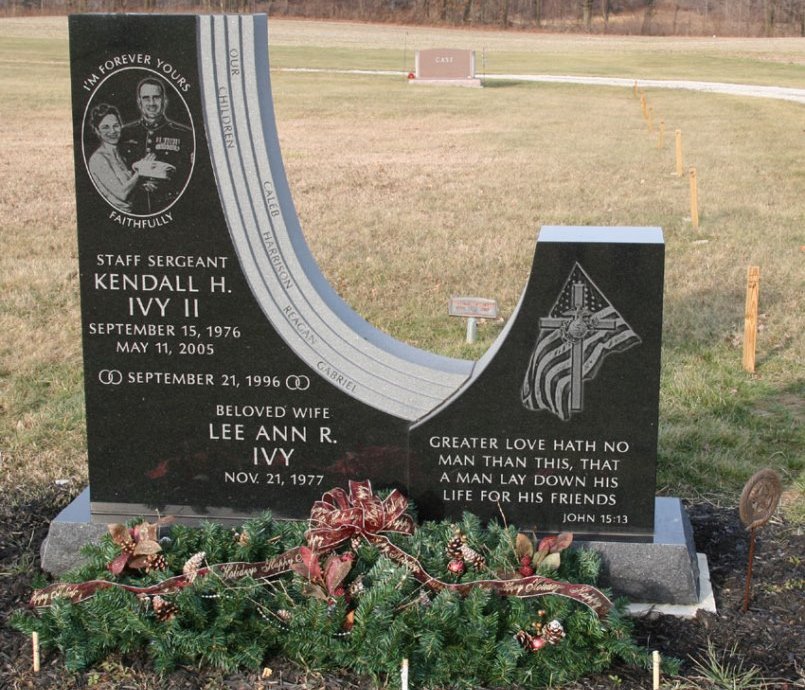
x: 340, y: 516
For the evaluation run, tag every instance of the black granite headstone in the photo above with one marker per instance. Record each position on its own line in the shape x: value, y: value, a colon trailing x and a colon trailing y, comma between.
x: 557, y: 429
x: 224, y: 376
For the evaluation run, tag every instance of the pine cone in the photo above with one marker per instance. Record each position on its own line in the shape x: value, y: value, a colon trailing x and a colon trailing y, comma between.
x: 164, y: 610
x: 453, y: 548
x: 156, y: 561
x: 357, y: 587
x: 471, y: 556
x: 554, y: 632
x: 284, y: 615
x: 524, y: 639
x: 190, y: 568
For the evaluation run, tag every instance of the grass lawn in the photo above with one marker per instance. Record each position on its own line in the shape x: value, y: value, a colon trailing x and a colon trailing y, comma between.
x: 409, y: 195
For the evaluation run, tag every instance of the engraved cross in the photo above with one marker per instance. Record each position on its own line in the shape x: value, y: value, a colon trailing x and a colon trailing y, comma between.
x: 576, y: 325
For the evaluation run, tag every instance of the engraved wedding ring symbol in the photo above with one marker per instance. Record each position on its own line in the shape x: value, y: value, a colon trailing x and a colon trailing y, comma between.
x: 297, y: 383
x: 110, y: 377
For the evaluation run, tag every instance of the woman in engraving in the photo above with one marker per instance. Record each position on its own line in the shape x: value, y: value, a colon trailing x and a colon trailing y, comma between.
x: 113, y: 178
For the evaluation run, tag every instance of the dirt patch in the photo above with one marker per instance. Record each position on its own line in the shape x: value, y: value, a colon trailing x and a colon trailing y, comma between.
x: 769, y: 636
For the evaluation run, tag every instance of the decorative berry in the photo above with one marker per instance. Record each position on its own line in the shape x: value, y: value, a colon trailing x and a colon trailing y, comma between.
x: 456, y: 566
x: 528, y: 642
x: 525, y: 560
x: 526, y: 570
x: 536, y: 643
x: 339, y: 591
x: 348, y: 556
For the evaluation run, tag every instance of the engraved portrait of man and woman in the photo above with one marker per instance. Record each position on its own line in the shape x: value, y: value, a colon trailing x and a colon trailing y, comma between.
x: 139, y: 167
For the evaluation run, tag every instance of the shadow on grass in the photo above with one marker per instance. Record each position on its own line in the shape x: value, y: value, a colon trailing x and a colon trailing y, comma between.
x: 718, y: 425
x: 500, y: 83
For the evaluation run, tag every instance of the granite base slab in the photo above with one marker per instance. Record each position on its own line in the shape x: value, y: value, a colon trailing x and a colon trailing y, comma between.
x: 471, y: 83
x: 707, y: 599
x: 663, y: 571
x: 70, y: 530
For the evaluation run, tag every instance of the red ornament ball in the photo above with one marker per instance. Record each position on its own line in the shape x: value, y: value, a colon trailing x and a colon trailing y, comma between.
x: 536, y: 643
x: 456, y: 566
x: 526, y: 571
x: 525, y: 560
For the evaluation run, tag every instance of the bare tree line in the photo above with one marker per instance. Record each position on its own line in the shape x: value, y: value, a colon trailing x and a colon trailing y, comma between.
x: 648, y: 17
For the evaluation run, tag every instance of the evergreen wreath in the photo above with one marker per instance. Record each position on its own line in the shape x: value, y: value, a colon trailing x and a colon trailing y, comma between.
x: 362, y: 601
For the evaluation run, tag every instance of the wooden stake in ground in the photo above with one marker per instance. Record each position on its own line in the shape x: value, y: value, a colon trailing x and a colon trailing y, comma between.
x: 679, y: 160
x: 35, y: 642
x: 634, y: 89
x: 694, y: 199
x: 655, y: 662
x: 650, y: 119
x: 750, y: 318
x: 661, y: 139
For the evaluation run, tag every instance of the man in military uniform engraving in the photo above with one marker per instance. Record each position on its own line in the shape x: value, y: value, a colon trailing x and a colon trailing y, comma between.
x: 170, y: 142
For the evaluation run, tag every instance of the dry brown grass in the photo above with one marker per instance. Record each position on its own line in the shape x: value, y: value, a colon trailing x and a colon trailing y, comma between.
x: 462, y: 196
x: 40, y: 351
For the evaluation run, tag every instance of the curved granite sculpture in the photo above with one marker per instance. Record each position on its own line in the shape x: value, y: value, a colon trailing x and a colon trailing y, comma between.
x: 320, y: 328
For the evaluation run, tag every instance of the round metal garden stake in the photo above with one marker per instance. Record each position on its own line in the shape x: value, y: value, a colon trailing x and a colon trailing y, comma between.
x: 759, y: 500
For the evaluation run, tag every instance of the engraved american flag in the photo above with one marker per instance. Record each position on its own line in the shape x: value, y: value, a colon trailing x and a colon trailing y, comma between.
x: 580, y: 331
